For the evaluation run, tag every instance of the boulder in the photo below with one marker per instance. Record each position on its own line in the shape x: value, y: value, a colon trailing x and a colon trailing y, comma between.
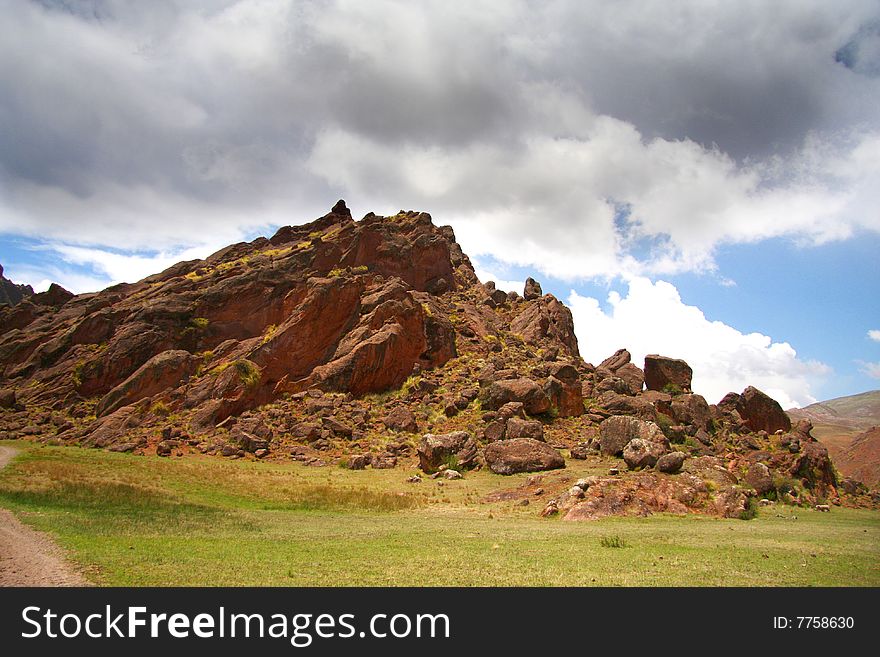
x: 519, y: 428
x: 7, y: 398
x: 667, y: 374
x: 761, y: 412
x: 401, y: 419
x: 508, y: 457
x: 640, y: 453
x: 671, y: 463
x: 532, y: 290
x: 566, y: 398
x: 457, y: 447
x: 617, y: 431
x: 523, y: 390
x: 691, y: 409
x: 633, y: 376
x: 758, y: 477
x: 616, y: 360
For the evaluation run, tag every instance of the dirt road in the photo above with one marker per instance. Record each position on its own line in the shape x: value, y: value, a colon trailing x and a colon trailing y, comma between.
x: 28, y: 557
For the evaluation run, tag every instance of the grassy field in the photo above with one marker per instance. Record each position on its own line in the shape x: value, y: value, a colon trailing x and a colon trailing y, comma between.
x: 135, y: 520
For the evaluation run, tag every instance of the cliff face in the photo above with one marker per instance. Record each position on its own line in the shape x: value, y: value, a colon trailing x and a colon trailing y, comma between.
x: 371, y: 343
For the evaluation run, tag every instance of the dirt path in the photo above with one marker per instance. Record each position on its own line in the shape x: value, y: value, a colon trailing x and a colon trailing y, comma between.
x: 28, y: 557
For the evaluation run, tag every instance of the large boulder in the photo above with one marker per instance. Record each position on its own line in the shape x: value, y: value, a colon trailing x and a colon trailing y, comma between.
x: 640, y: 453
x: 667, y: 374
x: 523, y: 390
x: 761, y: 412
x: 632, y: 375
x: 519, y: 428
x: 532, y: 290
x: 758, y: 477
x: 508, y: 457
x: 691, y: 409
x: 566, y: 398
x: 617, y: 431
x: 457, y: 447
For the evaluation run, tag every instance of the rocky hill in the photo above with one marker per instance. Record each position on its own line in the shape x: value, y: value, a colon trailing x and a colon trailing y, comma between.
x: 861, y: 458
x: 12, y: 293
x: 372, y: 343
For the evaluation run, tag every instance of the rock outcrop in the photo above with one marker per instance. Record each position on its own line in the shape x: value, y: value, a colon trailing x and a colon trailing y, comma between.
x: 343, y: 341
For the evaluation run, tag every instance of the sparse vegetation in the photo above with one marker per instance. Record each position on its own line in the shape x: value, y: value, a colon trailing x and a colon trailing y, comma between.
x: 160, y: 408
x: 248, y: 372
x: 199, y: 323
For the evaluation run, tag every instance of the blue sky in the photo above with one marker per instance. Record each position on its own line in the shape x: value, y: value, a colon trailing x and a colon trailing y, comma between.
x: 694, y: 178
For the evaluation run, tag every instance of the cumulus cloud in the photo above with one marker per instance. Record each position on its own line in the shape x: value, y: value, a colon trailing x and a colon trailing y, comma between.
x: 874, y: 334
x: 871, y: 369
x: 652, y: 318
x: 578, y: 138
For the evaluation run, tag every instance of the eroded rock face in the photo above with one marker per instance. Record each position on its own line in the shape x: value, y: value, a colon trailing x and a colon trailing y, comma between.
x: 546, y: 320
x: 508, y: 457
x: 457, y: 447
x: 667, y: 374
x: 166, y: 370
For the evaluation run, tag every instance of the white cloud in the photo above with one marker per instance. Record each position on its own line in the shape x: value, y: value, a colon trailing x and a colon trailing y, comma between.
x: 652, y: 318
x: 525, y: 127
x: 874, y: 334
x: 871, y: 369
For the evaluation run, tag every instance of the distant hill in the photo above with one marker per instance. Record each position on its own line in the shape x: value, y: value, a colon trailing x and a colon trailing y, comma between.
x: 861, y: 459
x: 844, y: 426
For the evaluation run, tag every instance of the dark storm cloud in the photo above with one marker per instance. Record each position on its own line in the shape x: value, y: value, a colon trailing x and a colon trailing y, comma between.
x: 149, y: 124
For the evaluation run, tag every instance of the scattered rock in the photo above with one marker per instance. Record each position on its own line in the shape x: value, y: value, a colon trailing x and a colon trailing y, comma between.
x: 671, y: 463
x: 437, y: 450
x: 401, y: 419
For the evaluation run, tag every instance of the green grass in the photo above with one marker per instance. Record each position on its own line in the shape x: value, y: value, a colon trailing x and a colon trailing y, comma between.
x: 136, y: 520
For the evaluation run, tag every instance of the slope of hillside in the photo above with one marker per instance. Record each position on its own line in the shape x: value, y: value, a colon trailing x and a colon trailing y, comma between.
x: 857, y: 412
x: 861, y: 458
x: 372, y: 343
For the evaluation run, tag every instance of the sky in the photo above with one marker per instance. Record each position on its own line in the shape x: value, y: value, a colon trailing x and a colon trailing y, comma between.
x: 696, y: 179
